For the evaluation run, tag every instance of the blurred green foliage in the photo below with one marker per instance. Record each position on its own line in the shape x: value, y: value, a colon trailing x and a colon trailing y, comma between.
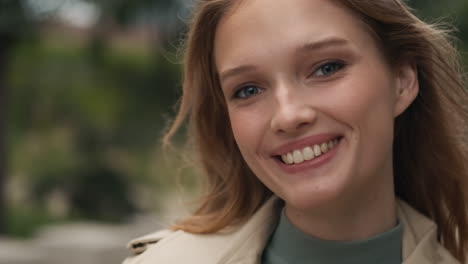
x: 23, y: 221
x: 84, y: 115
x: 453, y: 12
x: 71, y: 114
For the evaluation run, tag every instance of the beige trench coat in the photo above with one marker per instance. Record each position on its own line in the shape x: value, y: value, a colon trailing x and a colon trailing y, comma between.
x: 245, y: 245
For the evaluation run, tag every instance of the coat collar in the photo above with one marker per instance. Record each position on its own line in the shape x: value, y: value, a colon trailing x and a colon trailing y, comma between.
x: 420, y: 243
x: 246, y: 243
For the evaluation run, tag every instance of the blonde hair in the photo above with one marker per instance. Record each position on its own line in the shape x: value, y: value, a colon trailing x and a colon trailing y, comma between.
x: 430, y: 144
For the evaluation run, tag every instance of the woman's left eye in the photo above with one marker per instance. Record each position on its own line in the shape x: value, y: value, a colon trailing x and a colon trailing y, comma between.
x: 328, y: 69
x: 247, y: 92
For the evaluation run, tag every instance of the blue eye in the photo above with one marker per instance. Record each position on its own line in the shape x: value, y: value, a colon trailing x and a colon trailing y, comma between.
x: 329, y: 69
x: 247, y: 91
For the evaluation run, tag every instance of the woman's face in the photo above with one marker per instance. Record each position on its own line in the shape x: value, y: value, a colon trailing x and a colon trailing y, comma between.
x: 311, y: 99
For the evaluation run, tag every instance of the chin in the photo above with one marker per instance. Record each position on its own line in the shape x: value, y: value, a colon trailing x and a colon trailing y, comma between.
x: 312, y: 198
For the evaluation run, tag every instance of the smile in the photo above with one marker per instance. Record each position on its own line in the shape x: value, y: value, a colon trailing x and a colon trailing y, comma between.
x: 309, y: 153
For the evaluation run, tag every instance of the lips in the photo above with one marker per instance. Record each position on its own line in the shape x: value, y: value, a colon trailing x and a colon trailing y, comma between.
x: 298, y: 166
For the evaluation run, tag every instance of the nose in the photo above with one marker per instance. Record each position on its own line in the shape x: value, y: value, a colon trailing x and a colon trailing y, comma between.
x: 293, y: 112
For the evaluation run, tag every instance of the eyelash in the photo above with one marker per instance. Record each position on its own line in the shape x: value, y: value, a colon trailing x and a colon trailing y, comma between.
x: 340, y: 65
x: 243, y: 89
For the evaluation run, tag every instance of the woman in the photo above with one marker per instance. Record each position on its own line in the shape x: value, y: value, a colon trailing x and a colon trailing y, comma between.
x: 329, y: 132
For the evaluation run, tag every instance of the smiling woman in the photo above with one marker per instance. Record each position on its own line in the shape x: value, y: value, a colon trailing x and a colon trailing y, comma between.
x: 329, y: 132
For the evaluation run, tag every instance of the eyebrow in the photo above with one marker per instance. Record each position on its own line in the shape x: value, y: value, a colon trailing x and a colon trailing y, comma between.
x: 325, y: 43
x: 236, y: 71
x: 306, y: 47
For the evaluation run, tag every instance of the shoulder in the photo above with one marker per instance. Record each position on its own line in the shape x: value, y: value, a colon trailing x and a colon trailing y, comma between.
x: 242, y: 244
x: 139, y: 245
x: 182, y: 247
x: 142, y: 246
x: 420, y: 243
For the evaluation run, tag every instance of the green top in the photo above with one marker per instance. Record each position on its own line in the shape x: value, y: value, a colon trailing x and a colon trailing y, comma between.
x: 289, y: 245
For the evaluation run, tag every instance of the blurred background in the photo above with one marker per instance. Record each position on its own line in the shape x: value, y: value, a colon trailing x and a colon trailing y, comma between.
x: 86, y: 89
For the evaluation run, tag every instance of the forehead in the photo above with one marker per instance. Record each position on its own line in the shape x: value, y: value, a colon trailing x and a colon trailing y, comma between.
x: 256, y: 28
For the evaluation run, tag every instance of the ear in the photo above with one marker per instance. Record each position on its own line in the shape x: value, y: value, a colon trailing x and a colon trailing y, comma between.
x: 407, y: 87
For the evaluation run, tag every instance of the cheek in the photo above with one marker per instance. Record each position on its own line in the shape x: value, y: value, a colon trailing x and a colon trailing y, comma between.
x: 368, y: 110
x: 248, y: 126
x: 367, y: 101
x: 369, y: 107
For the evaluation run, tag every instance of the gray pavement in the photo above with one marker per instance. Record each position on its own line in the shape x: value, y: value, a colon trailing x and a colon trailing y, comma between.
x: 87, y: 242
x: 76, y: 243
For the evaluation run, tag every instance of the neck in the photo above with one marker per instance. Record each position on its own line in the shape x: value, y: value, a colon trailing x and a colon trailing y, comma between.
x: 350, y: 218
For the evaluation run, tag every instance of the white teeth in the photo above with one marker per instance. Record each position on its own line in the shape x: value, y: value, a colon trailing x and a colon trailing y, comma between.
x: 317, y: 150
x: 324, y: 147
x: 298, y: 158
x: 308, y: 153
x: 290, y: 159
x: 284, y: 158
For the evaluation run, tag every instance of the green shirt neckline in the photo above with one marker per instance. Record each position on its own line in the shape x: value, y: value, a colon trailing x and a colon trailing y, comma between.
x: 292, y: 246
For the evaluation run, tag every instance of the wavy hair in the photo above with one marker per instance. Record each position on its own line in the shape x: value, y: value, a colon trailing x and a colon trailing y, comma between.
x: 430, y: 144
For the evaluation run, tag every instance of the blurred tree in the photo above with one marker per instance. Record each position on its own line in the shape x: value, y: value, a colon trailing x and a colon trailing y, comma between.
x: 434, y: 9
x: 462, y: 24
x: 454, y: 12
x: 161, y: 15
x: 12, y: 18
x: 103, y: 100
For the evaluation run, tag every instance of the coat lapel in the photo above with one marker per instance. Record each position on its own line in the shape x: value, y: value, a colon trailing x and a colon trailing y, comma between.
x: 420, y: 244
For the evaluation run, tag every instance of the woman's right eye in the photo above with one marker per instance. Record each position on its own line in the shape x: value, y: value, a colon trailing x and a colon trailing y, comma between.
x: 247, y: 92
